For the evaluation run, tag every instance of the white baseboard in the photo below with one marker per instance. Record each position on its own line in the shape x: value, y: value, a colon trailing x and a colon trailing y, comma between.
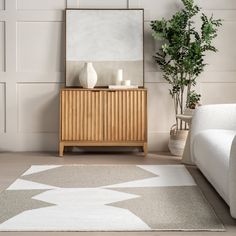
x: 24, y: 142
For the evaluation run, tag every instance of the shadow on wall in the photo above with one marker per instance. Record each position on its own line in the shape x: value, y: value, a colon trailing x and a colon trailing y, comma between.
x: 45, y: 114
x: 48, y: 120
x: 151, y: 46
x: 62, y: 51
x: 39, y: 117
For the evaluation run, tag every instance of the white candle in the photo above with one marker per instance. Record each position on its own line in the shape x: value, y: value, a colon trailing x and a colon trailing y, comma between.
x: 119, y: 77
x: 126, y: 82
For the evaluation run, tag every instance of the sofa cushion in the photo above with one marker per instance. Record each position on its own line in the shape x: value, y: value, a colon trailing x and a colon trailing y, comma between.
x: 211, y: 149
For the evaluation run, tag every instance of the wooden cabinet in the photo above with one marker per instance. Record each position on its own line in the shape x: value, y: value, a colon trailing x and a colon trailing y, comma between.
x: 102, y: 117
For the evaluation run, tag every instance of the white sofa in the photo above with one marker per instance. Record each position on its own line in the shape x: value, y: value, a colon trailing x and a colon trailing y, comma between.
x: 213, y: 148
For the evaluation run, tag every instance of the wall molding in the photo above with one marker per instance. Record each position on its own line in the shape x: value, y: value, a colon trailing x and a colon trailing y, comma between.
x: 45, y: 77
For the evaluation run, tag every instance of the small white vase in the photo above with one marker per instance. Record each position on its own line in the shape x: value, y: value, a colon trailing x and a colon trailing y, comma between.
x: 88, y: 76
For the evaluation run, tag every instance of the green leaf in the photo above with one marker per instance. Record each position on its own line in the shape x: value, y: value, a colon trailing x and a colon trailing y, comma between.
x: 181, y: 55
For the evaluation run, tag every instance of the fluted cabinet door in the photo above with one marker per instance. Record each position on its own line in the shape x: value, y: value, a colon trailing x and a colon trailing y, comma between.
x: 81, y: 115
x: 125, y: 115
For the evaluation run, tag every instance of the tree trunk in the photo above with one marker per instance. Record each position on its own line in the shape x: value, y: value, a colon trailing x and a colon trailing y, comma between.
x: 188, y: 90
x: 181, y: 105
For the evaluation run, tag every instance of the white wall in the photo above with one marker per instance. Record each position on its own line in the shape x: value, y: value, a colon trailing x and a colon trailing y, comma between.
x: 32, y: 68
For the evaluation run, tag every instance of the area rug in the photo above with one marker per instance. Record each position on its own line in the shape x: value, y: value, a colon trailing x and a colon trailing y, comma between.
x: 106, y: 198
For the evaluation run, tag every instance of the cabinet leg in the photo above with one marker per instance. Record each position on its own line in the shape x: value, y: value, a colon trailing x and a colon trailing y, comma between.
x: 61, y: 149
x: 145, y: 149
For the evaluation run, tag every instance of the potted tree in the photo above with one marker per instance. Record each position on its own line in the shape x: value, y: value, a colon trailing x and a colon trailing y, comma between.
x: 193, y: 100
x: 181, y: 57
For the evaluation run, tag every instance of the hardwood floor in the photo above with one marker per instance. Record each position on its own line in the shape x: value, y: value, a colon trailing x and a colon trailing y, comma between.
x: 13, y: 164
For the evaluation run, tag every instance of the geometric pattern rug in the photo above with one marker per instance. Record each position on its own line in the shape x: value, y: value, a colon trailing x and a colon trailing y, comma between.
x: 106, y: 198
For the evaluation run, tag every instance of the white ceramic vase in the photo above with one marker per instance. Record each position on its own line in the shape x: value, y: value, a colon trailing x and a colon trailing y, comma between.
x: 88, y: 76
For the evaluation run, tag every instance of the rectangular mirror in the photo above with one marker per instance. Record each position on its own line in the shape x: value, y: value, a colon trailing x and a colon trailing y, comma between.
x: 111, y: 39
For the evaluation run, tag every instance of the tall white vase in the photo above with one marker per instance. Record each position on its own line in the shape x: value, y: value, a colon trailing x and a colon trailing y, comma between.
x: 88, y: 76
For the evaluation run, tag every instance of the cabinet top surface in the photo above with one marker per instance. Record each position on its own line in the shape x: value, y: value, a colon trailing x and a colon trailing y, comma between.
x: 101, y: 89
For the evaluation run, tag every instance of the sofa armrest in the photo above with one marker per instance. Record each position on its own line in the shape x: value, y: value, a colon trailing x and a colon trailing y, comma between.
x: 232, y: 179
x: 220, y: 116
